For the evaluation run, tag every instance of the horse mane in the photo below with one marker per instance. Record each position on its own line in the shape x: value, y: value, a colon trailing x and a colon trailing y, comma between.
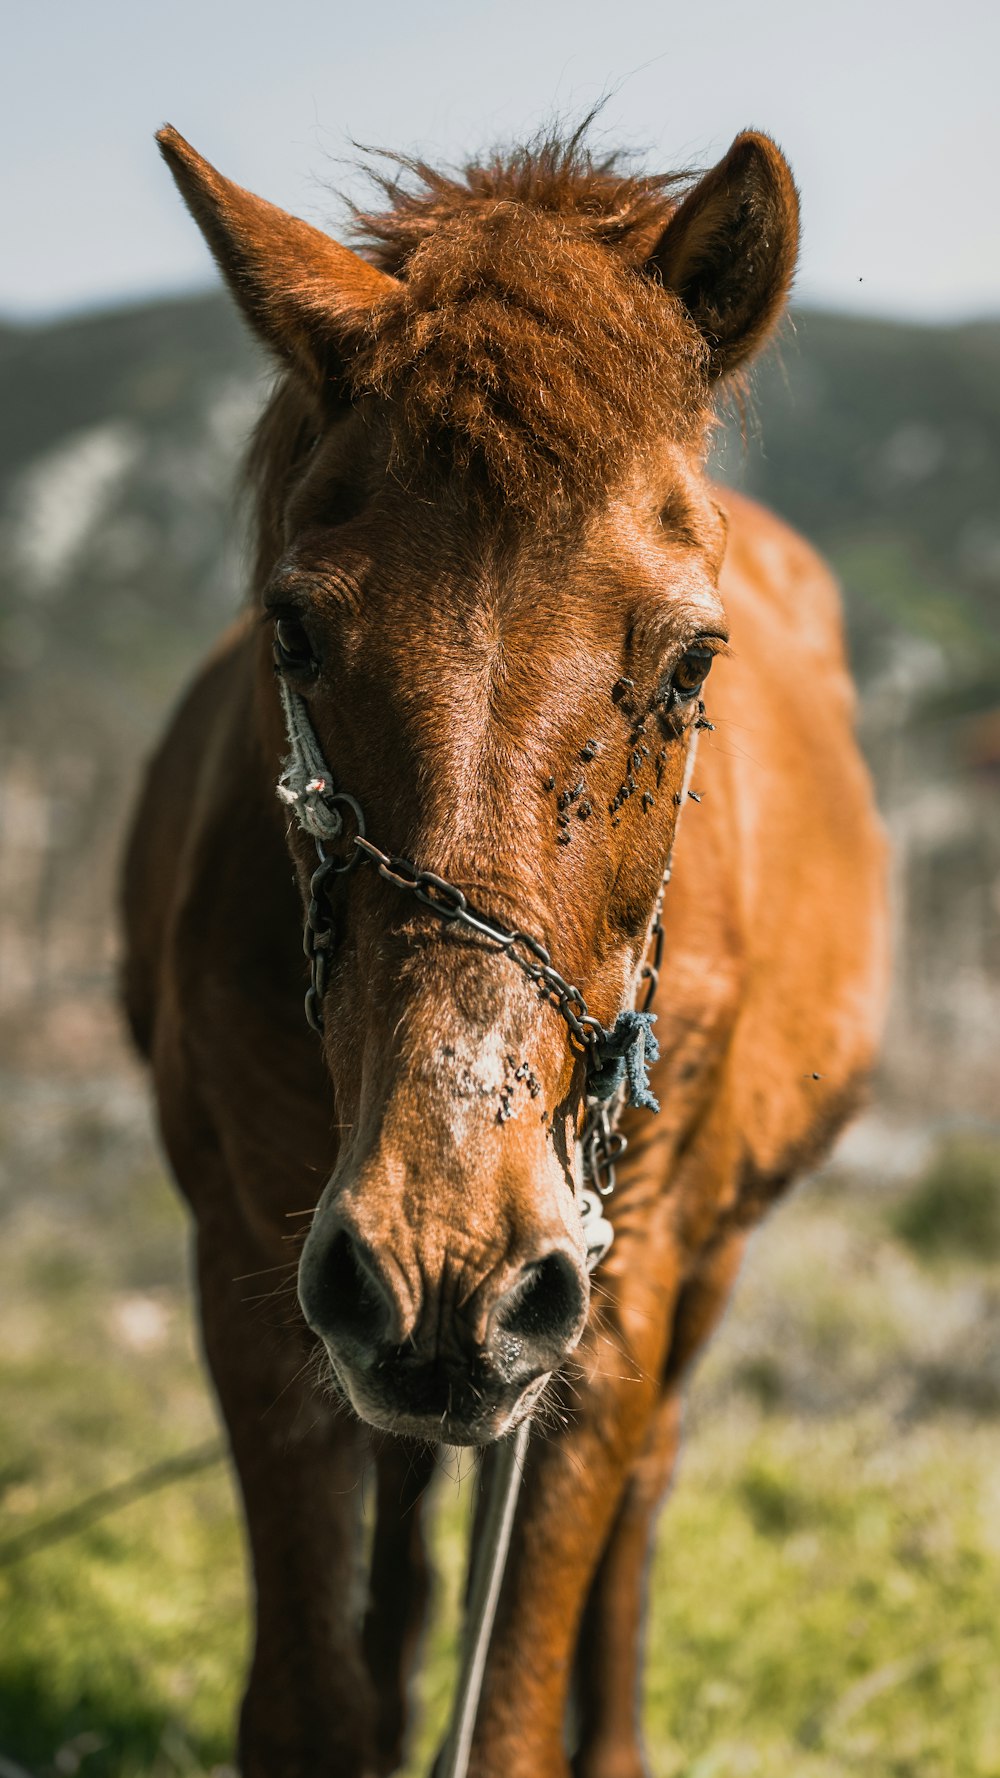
x: 552, y: 174
x: 526, y: 350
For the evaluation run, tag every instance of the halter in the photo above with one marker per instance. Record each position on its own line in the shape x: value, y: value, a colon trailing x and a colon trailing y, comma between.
x: 617, y: 1057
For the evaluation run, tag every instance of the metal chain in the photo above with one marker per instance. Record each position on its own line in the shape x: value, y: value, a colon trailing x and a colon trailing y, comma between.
x: 450, y: 905
x: 602, y: 1143
x: 319, y: 931
x: 304, y: 786
x: 318, y: 936
x: 529, y: 954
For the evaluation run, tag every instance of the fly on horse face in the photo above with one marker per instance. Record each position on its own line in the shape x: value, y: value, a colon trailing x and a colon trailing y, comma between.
x: 496, y: 603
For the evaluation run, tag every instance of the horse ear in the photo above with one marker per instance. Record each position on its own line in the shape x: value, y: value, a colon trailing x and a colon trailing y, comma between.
x: 729, y: 250
x: 303, y: 293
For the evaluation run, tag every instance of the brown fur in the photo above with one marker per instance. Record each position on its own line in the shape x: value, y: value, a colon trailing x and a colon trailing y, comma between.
x: 480, y: 488
x: 517, y: 344
x: 526, y: 338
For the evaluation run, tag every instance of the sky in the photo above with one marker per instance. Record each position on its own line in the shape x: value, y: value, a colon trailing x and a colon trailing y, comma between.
x: 888, y: 113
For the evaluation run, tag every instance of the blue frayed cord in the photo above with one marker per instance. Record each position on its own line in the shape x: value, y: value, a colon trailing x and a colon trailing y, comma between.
x: 624, y: 1054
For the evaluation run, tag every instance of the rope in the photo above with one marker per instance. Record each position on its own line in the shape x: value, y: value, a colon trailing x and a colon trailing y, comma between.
x: 487, y: 1579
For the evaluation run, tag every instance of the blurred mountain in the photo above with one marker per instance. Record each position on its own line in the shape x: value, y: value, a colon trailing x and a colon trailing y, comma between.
x: 120, y: 435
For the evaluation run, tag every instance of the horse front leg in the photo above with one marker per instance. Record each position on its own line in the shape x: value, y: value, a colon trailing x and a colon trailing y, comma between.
x: 612, y: 1637
x: 573, y: 1486
x: 399, y: 1589
x: 308, y: 1711
x: 608, y: 1686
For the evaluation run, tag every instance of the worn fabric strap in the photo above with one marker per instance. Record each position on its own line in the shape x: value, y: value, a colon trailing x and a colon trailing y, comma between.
x: 624, y: 1055
x: 305, y: 781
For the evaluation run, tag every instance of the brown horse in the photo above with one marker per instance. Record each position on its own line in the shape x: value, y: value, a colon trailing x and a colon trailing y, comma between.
x: 493, y: 578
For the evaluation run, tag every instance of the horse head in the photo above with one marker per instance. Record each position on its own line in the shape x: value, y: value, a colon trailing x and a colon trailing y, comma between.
x: 488, y: 575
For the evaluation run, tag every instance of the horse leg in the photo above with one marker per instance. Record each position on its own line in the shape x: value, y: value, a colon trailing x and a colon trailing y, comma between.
x: 308, y: 1711
x: 399, y: 1590
x: 610, y: 1653
x: 573, y: 1485
x: 608, y: 1676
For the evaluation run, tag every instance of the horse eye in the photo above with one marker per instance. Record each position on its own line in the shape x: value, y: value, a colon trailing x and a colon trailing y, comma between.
x: 292, y: 647
x: 691, y: 672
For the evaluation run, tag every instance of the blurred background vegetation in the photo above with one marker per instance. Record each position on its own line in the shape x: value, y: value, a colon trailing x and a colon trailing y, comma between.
x: 828, y: 1570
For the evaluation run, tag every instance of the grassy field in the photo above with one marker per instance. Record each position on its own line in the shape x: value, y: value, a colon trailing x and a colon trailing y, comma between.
x: 826, y: 1582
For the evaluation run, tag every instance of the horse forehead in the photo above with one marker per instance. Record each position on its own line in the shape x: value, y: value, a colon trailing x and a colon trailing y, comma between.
x: 475, y: 699
x: 531, y: 651
x: 440, y: 597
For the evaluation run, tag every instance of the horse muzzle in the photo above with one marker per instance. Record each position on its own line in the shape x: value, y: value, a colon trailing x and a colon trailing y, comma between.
x: 418, y: 1355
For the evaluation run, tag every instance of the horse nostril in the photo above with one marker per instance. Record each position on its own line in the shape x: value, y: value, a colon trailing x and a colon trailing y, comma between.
x: 546, y: 1307
x: 348, y: 1303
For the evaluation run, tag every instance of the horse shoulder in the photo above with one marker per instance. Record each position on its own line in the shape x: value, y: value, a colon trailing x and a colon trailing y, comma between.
x: 214, y: 974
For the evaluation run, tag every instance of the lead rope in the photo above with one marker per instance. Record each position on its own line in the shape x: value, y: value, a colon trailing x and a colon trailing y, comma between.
x: 484, y: 1598
x: 307, y: 786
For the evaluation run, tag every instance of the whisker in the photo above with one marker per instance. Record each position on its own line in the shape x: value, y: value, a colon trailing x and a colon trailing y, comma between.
x: 291, y: 1381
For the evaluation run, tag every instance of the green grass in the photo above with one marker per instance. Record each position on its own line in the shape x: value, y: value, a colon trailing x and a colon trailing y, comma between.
x: 825, y: 1585
x: 954, y: 1209
x: 825, y: 1605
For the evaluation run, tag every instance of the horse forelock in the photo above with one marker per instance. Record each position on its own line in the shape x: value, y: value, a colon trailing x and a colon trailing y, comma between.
x: 526, y: 350
x: 553, y: 175
x: 520, y: 348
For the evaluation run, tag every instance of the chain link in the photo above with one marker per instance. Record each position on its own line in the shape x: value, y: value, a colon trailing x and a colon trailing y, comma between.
x: 318, y: 938
x: 603, y: 1145
x: 449, y: 904
x: 602, y: 1142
